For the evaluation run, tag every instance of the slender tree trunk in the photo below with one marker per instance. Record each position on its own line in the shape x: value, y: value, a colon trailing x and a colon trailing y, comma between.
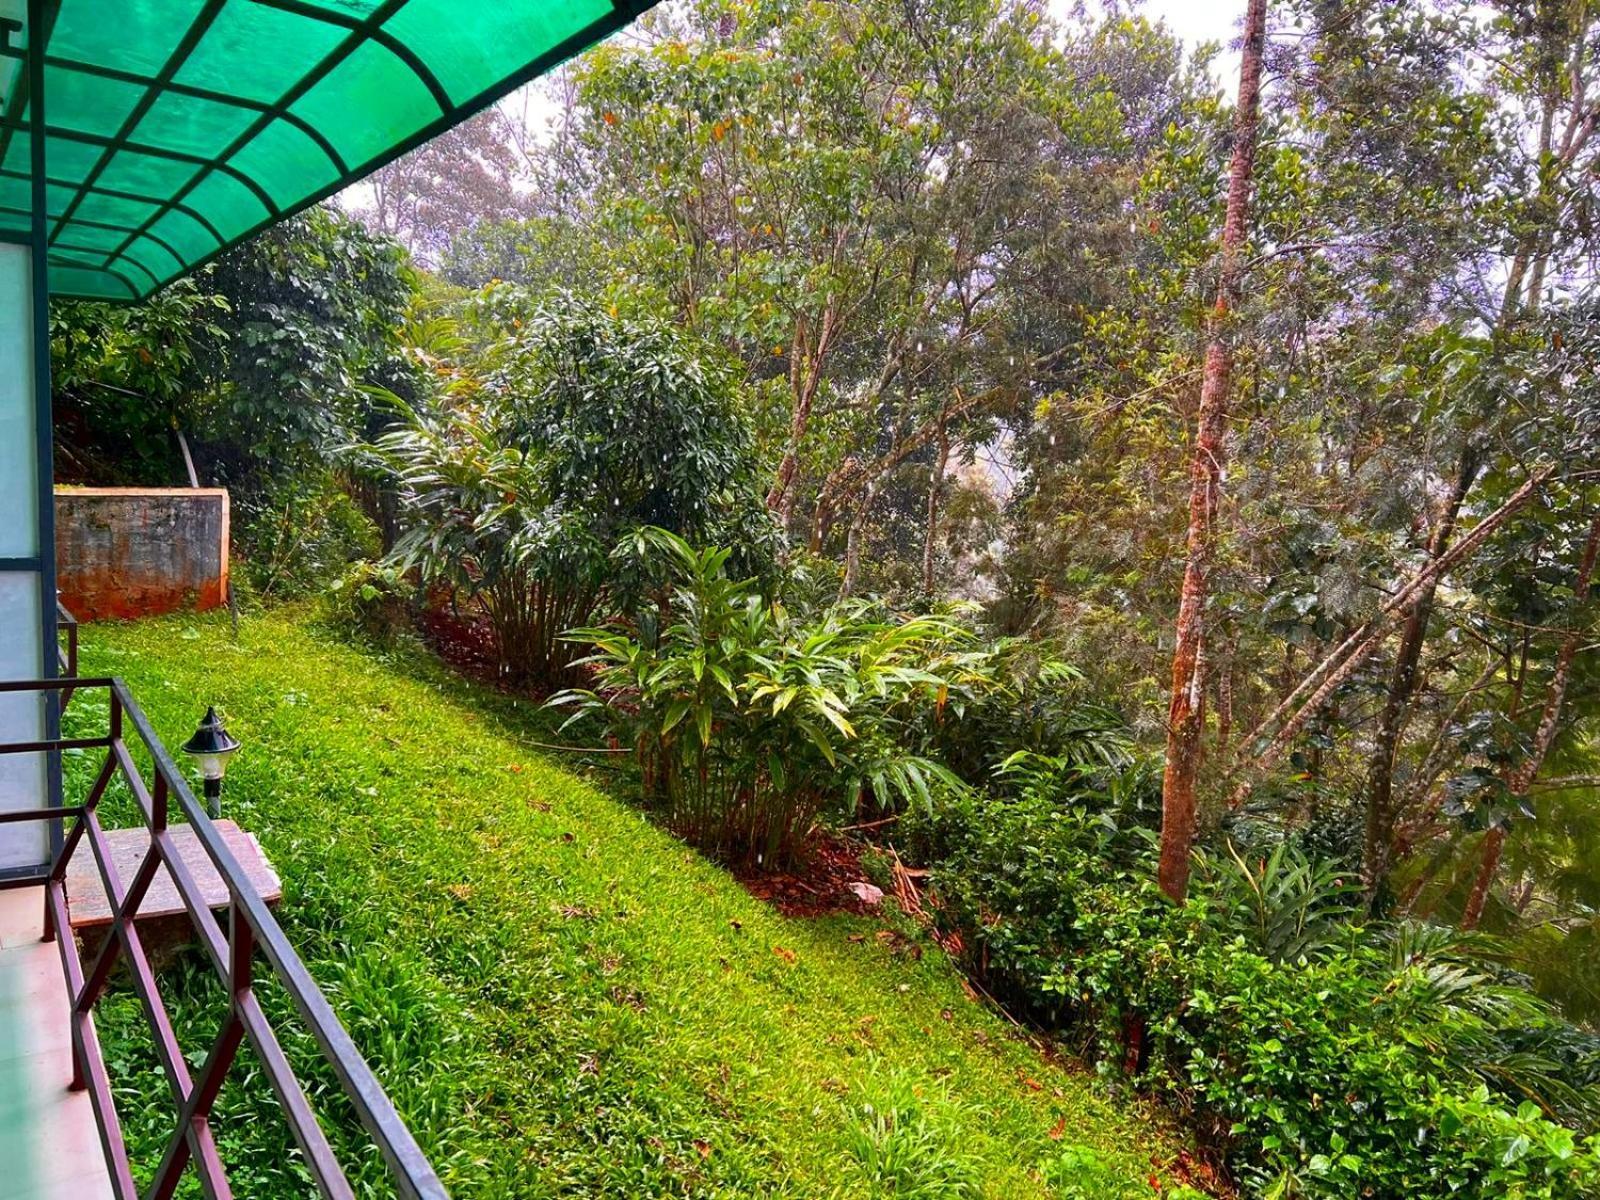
x: 1494, y: 845
x: 805, y: 375
x: 1378, y: 843
x: 1311, y: 693
x: 930, y: 536
x: 1186, y: 711
x: 1494, y: 842
x: 852, y: 545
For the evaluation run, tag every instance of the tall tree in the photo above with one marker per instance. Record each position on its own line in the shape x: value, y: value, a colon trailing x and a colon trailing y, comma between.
x: 896, y: 215
x: 1186, y: 708
x: 463, y: 177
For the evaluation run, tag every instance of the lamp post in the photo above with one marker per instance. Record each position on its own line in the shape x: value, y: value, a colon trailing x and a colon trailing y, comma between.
x: 211, y: 746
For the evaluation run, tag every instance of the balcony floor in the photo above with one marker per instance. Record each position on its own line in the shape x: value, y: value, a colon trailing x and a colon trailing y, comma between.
x: 49, y: 1146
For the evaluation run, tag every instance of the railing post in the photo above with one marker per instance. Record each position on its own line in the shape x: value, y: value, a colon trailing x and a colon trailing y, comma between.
x: 241, y: 955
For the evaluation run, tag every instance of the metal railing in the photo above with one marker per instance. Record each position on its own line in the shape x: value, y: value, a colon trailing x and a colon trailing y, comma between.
x: 251, y: 928
x: 66, y: 652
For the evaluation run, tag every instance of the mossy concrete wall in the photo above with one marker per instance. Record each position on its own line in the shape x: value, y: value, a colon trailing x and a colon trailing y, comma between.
x: 136, y: 552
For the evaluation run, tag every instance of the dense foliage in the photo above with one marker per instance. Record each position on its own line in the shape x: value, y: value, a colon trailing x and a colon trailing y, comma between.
x: 810, y: 322
x: 751, y: 721
x: 1326, y: 1057
x: 581, y: 427
x: 250, y: 375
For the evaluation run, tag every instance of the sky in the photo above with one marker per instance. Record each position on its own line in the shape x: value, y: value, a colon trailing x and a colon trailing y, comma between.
x: 1199, y: 20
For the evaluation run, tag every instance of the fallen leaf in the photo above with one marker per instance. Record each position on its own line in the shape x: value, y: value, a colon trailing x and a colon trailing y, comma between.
x: 1059, y: 1128
x: 788, y: 956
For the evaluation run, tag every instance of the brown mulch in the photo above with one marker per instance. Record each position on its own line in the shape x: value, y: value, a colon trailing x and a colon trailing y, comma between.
x: 463, y: 640
x: 819, y: 888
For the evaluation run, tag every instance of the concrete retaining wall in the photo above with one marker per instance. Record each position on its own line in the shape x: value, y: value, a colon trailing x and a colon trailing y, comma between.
x: 135, y: 552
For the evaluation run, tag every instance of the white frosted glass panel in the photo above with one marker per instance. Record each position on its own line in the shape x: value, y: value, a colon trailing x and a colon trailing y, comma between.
x: 19, y: 479
x: 22, y: 776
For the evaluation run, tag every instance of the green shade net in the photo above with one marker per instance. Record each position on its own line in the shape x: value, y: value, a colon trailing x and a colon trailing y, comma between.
x: 176, y: 128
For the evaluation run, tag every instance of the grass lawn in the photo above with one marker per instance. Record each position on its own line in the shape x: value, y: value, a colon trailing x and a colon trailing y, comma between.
x: 561, y: 999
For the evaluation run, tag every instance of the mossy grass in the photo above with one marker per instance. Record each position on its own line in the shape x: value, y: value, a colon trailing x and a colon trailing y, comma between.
x: 562, y: 999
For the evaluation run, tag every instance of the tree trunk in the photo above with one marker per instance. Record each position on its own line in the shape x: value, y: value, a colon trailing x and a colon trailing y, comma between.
x: 805, y: 375
x: 852, y: 545
x: 930, y: 536
x: 1544, y: 737
x: 1494, y: 844
x: 1186, y: 711
x: 1378, y: 843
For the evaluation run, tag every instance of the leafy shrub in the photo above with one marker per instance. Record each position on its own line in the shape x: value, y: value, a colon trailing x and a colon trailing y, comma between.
x: 638, y: 424
x: 1324, y: 1059
x: 585, y: 427
x: 297, y: 537
x: 371, y: 601
x: 484, y: 524
x: 750, y: 721
x: 1041, y: 708
x: 1285, y: 904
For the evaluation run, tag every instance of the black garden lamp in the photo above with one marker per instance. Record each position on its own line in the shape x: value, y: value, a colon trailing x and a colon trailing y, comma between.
x: 211, y: 746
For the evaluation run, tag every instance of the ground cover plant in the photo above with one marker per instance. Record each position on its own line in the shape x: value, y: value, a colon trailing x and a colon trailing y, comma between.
x: 563, y: 1000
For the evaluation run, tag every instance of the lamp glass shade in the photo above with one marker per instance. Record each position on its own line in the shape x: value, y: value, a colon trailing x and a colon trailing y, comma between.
x: 213, y: 766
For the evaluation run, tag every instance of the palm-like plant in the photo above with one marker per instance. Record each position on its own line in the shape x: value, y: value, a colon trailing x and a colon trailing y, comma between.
x: 750, y: 721
x: 1287, y: 904
x: 1464, y: 1008
x: 481, y: 520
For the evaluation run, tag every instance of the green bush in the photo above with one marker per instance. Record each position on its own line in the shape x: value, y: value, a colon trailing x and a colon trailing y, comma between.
x: 299, y: 536
x: 371, y: 601
x: 1042, y: 707
x: 584, y: 427
x: 750, y: 721
x: 1323, y: 1058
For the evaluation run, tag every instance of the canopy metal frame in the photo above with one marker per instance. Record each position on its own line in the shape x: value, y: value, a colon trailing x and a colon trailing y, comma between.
x: 70, y: 233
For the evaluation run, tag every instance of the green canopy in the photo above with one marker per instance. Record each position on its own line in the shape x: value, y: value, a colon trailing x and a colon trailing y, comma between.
x: 176, y: 128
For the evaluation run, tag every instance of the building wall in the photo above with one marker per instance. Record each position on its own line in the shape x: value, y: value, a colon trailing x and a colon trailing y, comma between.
x: 23, y: 715
x: 135, y: 552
